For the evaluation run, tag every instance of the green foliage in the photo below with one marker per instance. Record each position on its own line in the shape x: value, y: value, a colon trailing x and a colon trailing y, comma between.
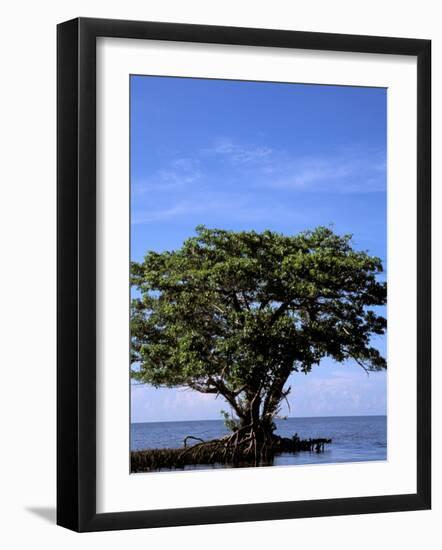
x: 229, y: 422
x: 235, y: 313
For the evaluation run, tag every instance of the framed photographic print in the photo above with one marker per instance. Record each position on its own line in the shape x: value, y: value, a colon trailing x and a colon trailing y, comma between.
x: 243, y: 274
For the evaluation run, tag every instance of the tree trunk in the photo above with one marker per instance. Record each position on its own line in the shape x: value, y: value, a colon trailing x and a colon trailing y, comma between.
x: 256, y: 430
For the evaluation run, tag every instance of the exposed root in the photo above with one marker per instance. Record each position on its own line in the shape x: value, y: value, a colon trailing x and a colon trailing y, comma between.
x: 192, y: 437
x: 244, y: 447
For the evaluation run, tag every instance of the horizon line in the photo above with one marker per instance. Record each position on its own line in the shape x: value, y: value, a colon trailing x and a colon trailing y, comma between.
x: 286, y: 418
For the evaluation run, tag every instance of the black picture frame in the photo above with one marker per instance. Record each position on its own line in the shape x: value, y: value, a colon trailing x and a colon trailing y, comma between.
x: 76, y: 274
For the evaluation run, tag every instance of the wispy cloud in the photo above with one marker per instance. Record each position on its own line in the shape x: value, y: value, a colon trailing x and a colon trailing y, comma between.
x: 147, y: 216
x: 180, y: 172
x: 219, y: 208
x: 238, y: 152
x: 194, y: 187
x: 341, y: 172
x: 346, y: 390
x: 355, y: 169
x: 163, y: 404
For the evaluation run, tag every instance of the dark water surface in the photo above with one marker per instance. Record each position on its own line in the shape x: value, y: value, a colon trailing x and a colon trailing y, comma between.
x: 355, y: 438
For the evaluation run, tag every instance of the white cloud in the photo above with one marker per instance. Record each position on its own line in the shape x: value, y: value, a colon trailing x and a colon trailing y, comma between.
x: 329, y: 390
x: 220, y: 208
x: 149, y: 404
x: 346, y: 391
x: 180, y: 172
x: 237, y: 152
x: 162, y: 214
x: 357, y: 171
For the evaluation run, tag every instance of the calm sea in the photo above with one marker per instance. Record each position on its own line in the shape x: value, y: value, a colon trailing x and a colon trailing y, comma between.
x: 355, y: 438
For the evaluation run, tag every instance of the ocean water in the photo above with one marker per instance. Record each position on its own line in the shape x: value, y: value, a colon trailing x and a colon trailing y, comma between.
x: 354, y: 438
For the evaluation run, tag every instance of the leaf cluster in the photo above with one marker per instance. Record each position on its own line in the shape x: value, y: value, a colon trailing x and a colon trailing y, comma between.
x: 236, y: 312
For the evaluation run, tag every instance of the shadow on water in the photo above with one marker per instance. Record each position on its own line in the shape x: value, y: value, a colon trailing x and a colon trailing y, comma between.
x: 46, y: 513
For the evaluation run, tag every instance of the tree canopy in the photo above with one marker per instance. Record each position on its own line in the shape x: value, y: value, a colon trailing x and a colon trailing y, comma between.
x: 235, y: 313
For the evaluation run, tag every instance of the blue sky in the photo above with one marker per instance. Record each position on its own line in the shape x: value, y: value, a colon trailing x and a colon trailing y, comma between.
x: 248, y: 155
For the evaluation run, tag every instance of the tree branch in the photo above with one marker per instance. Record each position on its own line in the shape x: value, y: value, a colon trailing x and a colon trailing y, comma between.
x: 279, y: 312
x: 358, y: 361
